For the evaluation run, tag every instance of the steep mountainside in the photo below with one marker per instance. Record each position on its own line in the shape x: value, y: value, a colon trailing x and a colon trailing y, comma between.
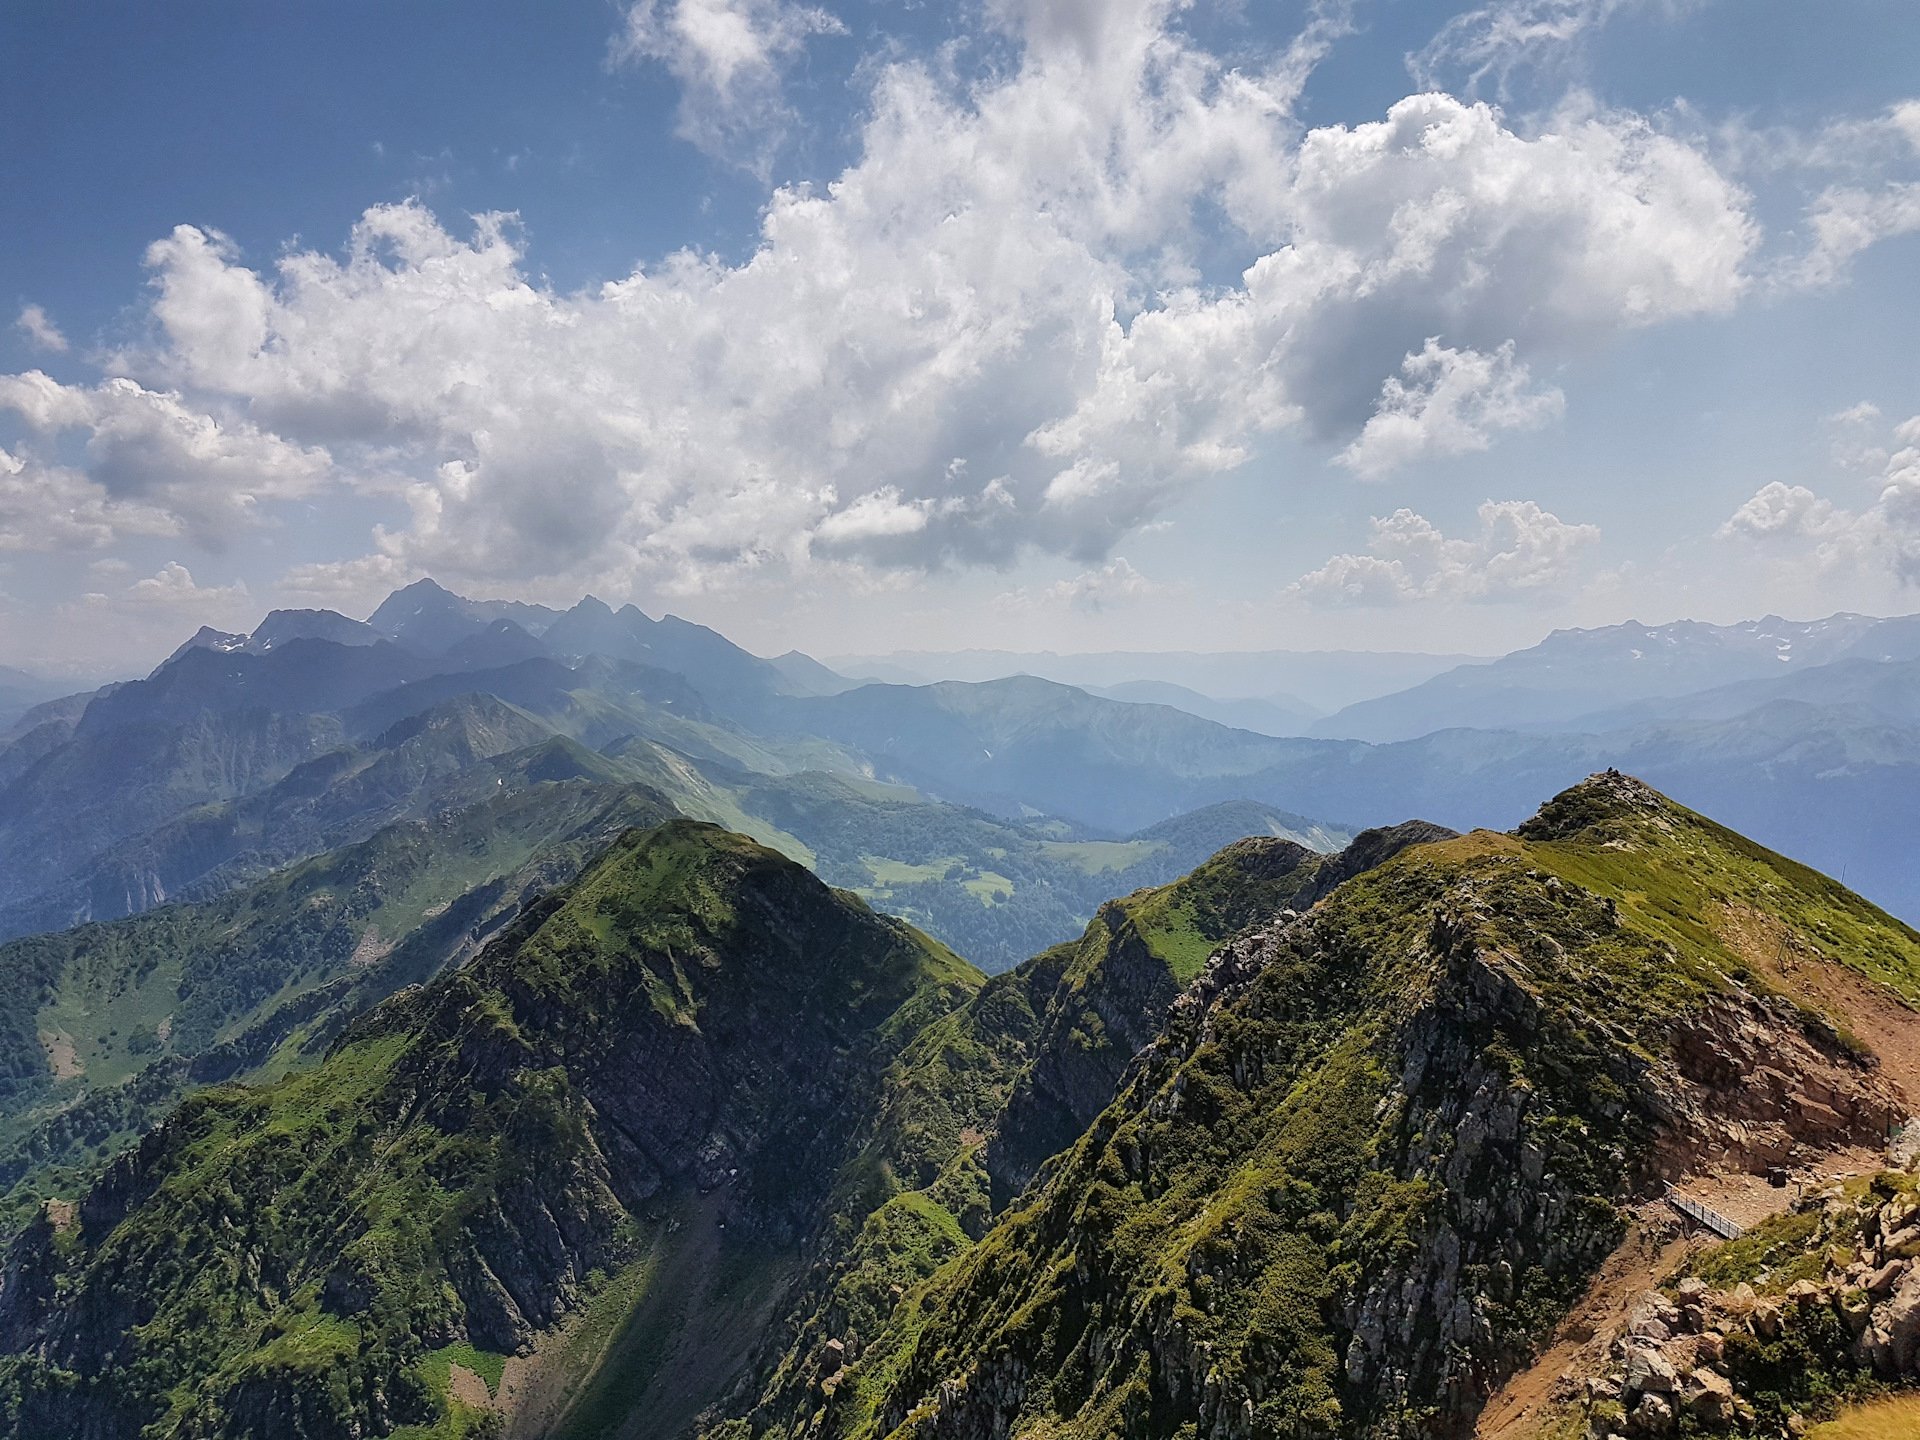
x: 104, y: 1026
x: 671, y: 1053
x: 1380, y: 1147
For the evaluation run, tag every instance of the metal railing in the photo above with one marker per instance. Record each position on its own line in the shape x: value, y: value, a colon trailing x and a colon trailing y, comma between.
x: 1701, y: 1215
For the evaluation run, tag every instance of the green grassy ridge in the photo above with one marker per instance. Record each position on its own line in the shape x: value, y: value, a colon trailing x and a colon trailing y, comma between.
x: 150, y: 1003
x: 1258, y: 1187
x: 965, y: 1120
x: 304, y: 1248
x: 1677, y: 872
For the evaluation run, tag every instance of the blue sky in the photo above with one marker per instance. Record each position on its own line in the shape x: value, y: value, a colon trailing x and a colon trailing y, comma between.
x: 1031, y: 323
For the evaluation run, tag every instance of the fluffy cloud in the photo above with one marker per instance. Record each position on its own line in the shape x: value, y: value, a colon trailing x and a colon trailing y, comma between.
x: 1847, y: 220
x: 1115, y: 583
x: 1450, y: 403
x: 173, y: 587
x: 154, y: 464
x: 1794, y: 522
x: 730, y: 58
x: 1780, y: 511
x: 1521, y: 550
x: 54, y: 507
x: 984, y: 337
x: 41, y: 332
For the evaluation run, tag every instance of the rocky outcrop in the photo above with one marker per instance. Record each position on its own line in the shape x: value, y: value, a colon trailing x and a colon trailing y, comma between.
x: 1758, y: 1083
x: 1832, y: 1307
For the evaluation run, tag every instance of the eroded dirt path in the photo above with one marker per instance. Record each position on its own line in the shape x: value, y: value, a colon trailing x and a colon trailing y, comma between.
x: 1878, y: 1017
x: 1650, y: 1253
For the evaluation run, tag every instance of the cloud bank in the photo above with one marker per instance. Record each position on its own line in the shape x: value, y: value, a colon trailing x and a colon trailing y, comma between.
x: 1519, y: 552
x: 989, y: 336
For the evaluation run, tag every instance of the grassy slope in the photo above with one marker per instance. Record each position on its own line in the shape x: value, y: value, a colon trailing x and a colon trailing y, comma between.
x: 141, y: 1002
x: 986, y: 1093
x: 1251, y: 1203
x: 371, y: 1187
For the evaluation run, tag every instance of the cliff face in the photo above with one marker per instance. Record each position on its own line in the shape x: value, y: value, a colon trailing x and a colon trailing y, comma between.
x: 1380, y: 1147
x: 695, y: 1015
x: 1111, y: 995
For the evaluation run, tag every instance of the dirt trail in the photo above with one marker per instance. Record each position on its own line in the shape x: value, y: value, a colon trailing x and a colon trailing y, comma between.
x: 1649, y: 1254
x: 1748, y: 1199
x: 1878, y: 1017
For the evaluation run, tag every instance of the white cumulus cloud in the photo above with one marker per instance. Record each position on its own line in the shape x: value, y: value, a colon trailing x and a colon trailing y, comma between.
x: 984, y: 338
x: 1449, y: 403
x: 173, y: 587
x: 150, y: 454
x: 730, y: 58
x: 1794, y: 522
x: 1520, y: 550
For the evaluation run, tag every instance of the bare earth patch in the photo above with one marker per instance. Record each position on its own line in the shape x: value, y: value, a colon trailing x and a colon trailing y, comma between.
x: 62, y: 1059
x: 370, y: 949
x: 1748, y: 1199
x: 468, y: 1388
x: 1531, y: 1399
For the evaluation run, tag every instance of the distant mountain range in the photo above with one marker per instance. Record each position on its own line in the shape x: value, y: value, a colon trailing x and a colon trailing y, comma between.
x: 1310, y: 682
x: 1582, y: 679
x: 243, y: 753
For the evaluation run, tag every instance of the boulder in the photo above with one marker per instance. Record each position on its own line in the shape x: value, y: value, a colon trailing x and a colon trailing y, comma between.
x: 1707, y: 1396
x: 1649, y: 1371
x: 1653, y: 1415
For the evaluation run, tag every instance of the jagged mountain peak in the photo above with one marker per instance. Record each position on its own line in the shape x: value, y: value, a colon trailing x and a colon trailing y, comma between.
x: 281, y: 626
